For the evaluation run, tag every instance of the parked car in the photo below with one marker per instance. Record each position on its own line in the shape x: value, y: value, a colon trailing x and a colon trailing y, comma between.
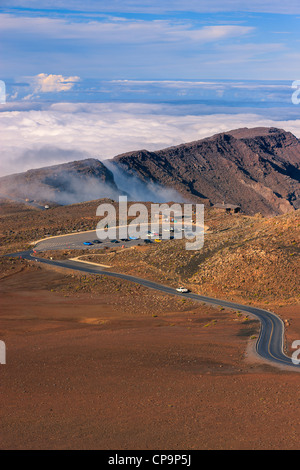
x: 88, y: 243
x: 148, y: 241
x: 183, y: 290
x: 97, y: 241
x: 114, y: 241
x: 157, y: 240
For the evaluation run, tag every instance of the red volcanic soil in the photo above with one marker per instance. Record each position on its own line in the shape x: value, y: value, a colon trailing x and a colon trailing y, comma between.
x: 87, y: 371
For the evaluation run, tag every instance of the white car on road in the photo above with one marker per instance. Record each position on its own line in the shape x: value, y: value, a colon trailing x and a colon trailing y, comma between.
x: 183, y: 290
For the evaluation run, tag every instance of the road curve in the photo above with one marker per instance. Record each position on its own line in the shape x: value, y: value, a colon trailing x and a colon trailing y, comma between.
x: 269, y: 345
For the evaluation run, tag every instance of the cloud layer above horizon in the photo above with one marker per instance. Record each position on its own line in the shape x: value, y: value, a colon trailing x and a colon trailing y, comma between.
x: 62, y: 132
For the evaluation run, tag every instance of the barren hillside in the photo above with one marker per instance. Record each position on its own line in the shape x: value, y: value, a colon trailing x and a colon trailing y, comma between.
x: 258, y: 169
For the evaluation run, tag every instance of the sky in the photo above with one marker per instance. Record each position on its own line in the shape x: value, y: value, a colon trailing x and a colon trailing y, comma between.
x: 151, y: 40
x: 99, y: 78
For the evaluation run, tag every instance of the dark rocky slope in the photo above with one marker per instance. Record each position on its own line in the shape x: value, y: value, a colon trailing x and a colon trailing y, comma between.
x: 257, y: 169
x: 64, y: 184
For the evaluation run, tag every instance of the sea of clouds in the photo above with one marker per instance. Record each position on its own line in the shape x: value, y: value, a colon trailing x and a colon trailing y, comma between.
x: 43, y: 135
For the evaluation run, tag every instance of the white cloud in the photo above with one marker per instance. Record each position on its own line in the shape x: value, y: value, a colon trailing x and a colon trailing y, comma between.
x: 65, y: 132
x: 116, y: 30
x: 107, y: 46
x: 44, y: 83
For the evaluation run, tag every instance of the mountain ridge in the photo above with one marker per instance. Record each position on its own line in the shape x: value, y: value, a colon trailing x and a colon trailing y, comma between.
x: 255, y: 168
x: 64, y: 183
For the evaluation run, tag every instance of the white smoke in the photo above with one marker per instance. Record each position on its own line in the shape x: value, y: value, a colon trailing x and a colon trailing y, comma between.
x: 139, y: 190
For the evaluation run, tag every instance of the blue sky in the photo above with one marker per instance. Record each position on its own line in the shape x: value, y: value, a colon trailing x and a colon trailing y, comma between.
x: 97, y: 78
x: 151, y: 40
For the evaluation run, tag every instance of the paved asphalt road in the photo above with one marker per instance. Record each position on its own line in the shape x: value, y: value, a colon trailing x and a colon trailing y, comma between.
x: 75, y: 241
x: 270, y: 343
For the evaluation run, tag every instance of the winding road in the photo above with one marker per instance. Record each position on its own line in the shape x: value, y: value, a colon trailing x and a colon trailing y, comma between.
x: 269, y: 345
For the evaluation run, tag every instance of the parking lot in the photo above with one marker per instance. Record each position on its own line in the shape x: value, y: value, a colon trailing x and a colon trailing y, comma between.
x: 89, y: 240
